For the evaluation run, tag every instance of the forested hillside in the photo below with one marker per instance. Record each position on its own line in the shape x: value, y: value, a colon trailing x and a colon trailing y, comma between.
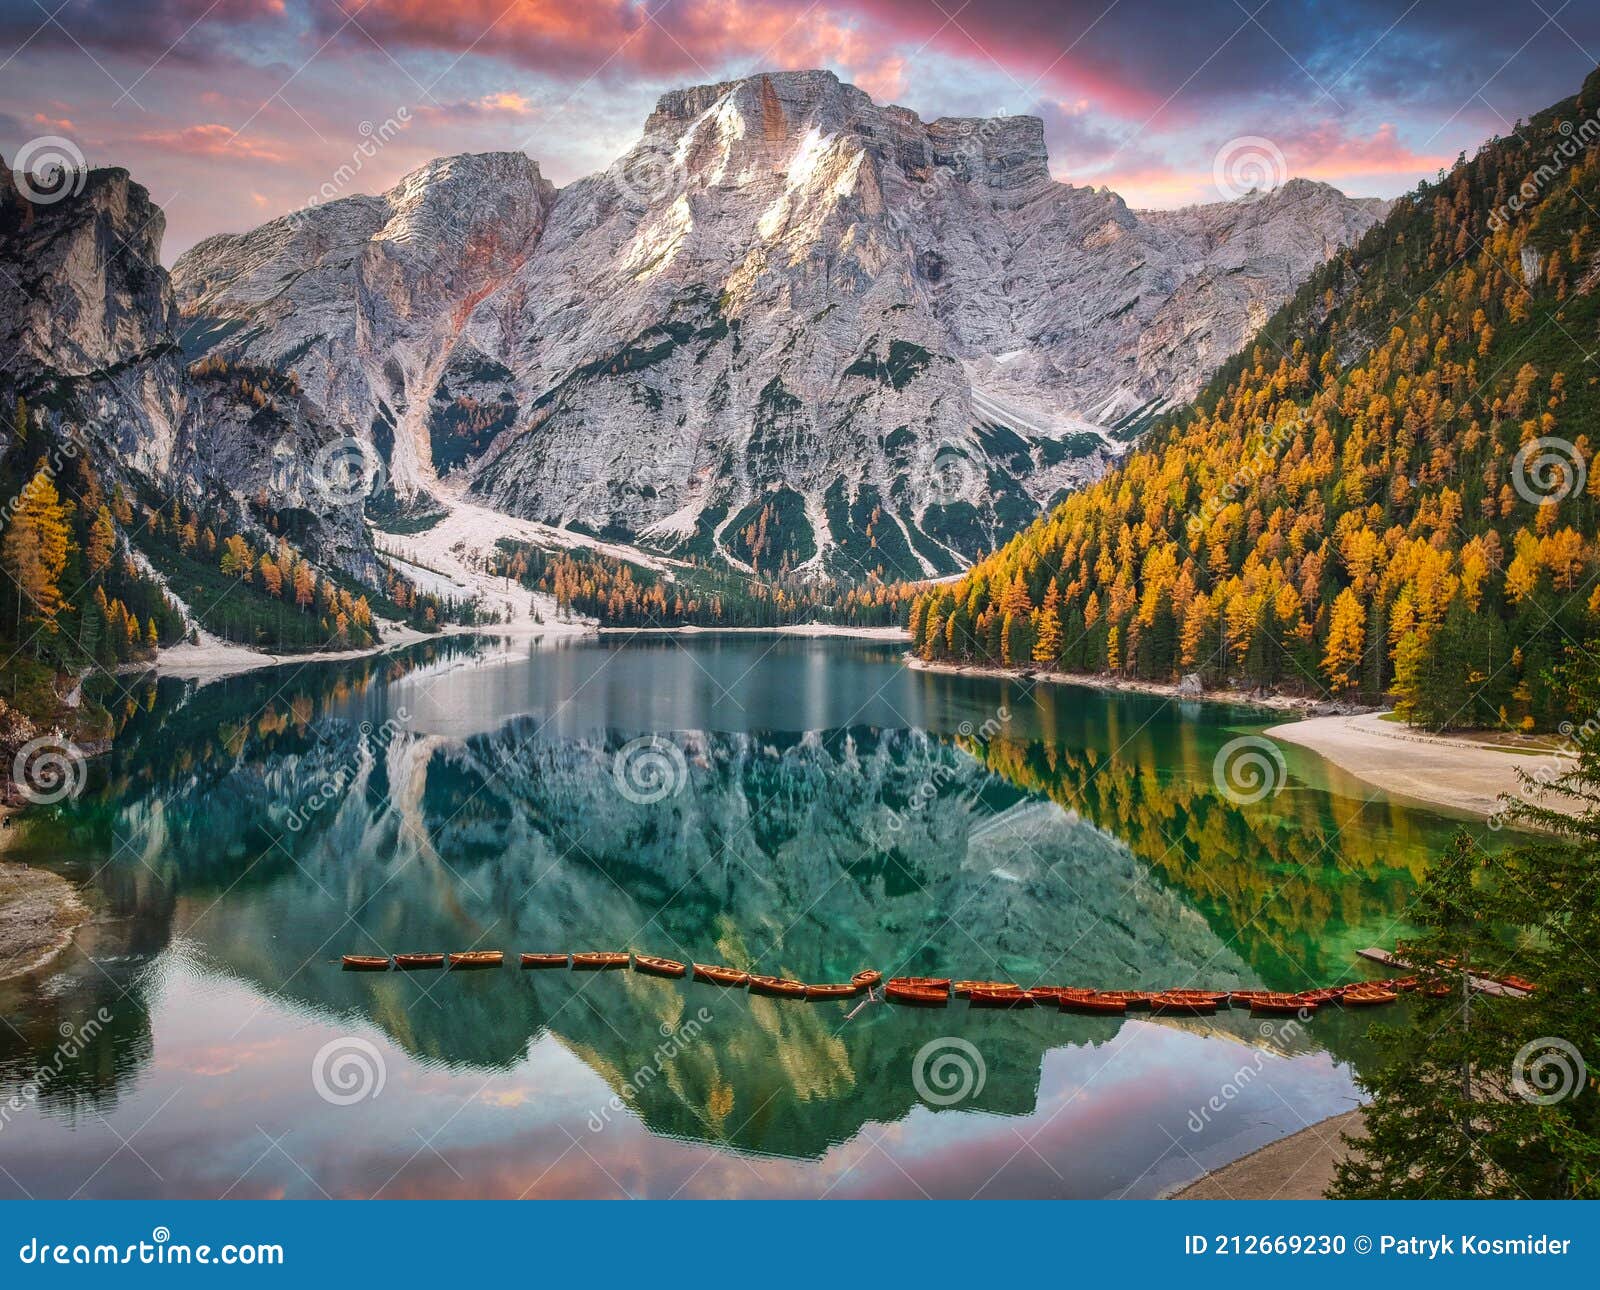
x: 1389, y: 493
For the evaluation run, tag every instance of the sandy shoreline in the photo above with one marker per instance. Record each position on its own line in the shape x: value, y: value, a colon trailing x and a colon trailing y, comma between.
x: 39, y: 911
x: 214, y: 661
x: 1454, y: 772
x: 1299, y: 1167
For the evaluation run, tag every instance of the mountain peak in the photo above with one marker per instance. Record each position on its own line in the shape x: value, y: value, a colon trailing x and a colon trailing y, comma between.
x: 757, y: 114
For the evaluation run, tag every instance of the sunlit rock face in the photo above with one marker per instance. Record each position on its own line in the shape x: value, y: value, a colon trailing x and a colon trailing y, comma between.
x: 898, y: 338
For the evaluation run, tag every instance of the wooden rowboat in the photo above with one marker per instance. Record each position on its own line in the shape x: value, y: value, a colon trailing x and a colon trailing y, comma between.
x: 1281, y: 1005
x: 777, y: 986
x: 867, y: 978
x: 652, y: 966
x: 721, y: 975
x: 916, y: 996
x: 1367, y: 997
x: 411, y: 962
x: 833, y: 991
x: 923, y: 982
x: 1050, y: 993
x: 1176, y: 1005
x: 1218, y: 997
x: 1131, y: 999
x: 544, y: 960
x: 599, y: 961
x: 366, y: 962
x: 964, y: 988
x: 1009, y: 997
x: 1110, y: 1003
x: 1519, y: 983
x: 477, y: 959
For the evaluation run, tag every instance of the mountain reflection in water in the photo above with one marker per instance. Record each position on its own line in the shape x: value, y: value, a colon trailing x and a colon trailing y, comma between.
x: 824, y: 810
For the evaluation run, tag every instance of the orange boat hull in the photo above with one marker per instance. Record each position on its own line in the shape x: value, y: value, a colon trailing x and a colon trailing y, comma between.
x: 962, y: 989
x: 412, y: 962
x: 778, y: 987
x: 477, y: 959
x: 1292, y: 1005
x: 1012, y: 998
x: 652, y: 966
x: 715, y: 975
x: 923, y: 982
x: 599, y: 962
x: 365, y: 963
x: 544, y: 960
x: 1169, y: 1006
x: 916, y: 996
x: 1095, y: 1004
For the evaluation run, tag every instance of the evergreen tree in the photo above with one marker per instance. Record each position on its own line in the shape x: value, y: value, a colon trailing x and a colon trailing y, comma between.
x: 1484, y: 1096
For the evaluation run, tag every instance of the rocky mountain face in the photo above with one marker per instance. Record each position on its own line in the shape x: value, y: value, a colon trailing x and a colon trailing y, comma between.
x: 87, y: 319
x: 788, y: 320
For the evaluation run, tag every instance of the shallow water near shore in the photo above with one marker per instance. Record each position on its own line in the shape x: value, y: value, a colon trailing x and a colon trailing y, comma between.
x: 800, y: 807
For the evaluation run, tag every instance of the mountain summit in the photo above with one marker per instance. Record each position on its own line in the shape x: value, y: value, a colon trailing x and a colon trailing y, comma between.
x: 788, y: 318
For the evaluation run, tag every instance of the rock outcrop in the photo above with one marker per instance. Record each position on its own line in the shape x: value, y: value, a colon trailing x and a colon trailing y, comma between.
x: 88, y: 321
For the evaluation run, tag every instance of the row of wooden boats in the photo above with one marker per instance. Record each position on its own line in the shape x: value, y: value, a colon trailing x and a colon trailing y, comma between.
x: 930, y: 992
x: 936, y: 992
x: 609, y: 960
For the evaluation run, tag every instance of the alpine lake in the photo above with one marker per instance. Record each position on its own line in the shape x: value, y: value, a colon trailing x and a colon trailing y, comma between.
x: 804, y: 808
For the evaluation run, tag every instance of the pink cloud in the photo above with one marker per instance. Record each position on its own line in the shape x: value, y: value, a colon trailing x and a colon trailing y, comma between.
x: 213, y: 140
x: 698, y: 40
x: 1324, y: 152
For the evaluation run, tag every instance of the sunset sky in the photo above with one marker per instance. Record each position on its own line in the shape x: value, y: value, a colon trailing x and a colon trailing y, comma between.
x: 234, y: 111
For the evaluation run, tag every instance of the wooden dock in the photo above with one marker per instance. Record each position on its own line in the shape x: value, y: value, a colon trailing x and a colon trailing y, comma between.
x: 1483, y: 984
